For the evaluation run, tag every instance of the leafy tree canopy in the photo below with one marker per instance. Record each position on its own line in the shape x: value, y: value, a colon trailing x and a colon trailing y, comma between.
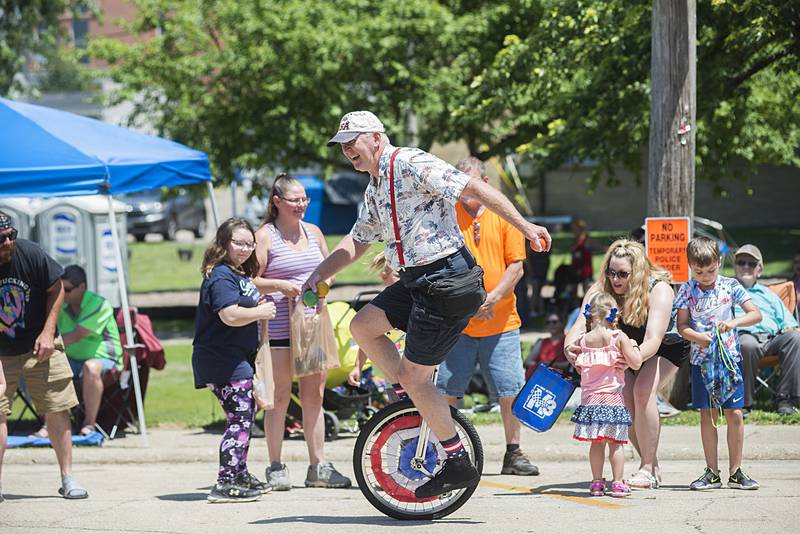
x: 30, y: 28
x: 263, y: 83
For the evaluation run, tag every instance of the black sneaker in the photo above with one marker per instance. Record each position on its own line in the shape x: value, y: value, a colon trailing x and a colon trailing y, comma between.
x: 708, y: 480
x: 739, y: 480
x: 228, y: 492
x: 250, y: 482
x: 455, y: 473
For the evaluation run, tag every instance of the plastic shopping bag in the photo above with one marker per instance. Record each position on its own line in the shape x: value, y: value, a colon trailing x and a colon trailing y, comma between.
x: 313, y: 345
x: 263, y: 381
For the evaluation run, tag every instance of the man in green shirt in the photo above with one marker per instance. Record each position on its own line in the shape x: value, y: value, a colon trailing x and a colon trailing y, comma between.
x: 776, y: 334
x: 91, y: 338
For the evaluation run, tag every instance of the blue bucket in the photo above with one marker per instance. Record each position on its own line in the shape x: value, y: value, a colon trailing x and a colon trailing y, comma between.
x: 542, y: 399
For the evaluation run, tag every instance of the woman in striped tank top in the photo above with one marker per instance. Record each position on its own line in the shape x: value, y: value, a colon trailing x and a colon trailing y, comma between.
x: 288, y: 251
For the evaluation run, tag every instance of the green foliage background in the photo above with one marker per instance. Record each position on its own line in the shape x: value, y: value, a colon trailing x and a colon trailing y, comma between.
x: 263, y: 83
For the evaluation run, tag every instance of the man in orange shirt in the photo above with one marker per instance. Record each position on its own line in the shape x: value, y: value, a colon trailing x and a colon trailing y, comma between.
x: 492, y: 335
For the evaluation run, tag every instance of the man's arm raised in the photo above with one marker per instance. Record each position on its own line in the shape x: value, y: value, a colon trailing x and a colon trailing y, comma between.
x: 497, y: 202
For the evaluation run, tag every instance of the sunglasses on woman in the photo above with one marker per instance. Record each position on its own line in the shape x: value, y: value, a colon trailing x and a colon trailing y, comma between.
x: 622, y: 275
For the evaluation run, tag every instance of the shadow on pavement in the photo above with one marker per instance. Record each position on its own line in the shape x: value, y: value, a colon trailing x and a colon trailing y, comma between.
x: 359, y: 520
x: 183, y: 497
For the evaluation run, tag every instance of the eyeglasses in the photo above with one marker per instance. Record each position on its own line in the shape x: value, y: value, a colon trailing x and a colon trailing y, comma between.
x: 298, y: 200
x: 11, y: 236
x: 747, y: 263
x: 622, y: 275
x: 249, y: 245
x: 476, y: 232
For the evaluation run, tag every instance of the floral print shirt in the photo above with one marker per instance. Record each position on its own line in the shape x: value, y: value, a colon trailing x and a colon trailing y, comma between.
x: 426, y: 190
x: 709, y: 307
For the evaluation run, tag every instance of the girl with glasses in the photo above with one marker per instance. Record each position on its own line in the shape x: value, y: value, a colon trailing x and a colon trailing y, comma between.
x: 226, y: 335
x: 644, y: 298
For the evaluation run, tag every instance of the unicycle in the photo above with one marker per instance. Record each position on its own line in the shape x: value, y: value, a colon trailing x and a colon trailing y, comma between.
x: 396, y: 452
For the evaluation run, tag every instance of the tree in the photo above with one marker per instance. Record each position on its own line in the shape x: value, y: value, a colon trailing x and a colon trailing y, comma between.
x: 28, y: 28
x: 670, y: 182
x: 573, y: 85
x: 262, y: 83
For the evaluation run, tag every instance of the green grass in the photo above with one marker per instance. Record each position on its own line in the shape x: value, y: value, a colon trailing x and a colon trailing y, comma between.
x: 173, y: 401
x: 156, y: 266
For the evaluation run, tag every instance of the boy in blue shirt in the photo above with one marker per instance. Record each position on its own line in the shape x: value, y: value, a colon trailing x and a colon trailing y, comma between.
x: 705, y: 307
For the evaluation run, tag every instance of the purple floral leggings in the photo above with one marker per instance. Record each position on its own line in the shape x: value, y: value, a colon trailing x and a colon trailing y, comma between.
x: 237, y: 401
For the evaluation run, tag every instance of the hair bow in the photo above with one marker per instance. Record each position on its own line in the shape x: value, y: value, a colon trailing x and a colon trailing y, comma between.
x: 612, y: 315
x: 586, y: 312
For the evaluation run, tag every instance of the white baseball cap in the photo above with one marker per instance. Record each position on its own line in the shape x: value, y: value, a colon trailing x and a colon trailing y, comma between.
x: 355, y: 123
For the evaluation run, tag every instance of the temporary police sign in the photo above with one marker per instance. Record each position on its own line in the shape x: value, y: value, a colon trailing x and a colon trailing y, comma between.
x: 666, y: 239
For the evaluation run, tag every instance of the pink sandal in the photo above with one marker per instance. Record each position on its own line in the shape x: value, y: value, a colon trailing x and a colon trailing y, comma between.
x: 619, y: 489
x: 598, y: 488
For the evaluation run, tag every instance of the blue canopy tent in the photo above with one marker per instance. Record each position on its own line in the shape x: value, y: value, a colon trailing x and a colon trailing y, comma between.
x: 46, y: 152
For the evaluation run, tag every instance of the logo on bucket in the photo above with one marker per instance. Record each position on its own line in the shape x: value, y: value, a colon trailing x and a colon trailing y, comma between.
x: 541, y: 402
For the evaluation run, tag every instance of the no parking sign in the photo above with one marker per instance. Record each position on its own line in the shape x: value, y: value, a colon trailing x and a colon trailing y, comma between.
x: 666, y: 239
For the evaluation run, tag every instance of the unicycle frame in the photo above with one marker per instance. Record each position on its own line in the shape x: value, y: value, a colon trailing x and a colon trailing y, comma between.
x: 418, y: 461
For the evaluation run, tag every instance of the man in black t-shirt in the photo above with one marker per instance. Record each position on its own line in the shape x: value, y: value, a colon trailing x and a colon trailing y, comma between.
x: 31, y: 294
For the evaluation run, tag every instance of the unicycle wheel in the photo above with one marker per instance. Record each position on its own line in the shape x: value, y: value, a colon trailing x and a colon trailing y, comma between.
x: 387, y: 472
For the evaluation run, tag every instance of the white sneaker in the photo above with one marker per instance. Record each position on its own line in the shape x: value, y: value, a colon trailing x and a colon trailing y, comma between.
x: 278, y: 478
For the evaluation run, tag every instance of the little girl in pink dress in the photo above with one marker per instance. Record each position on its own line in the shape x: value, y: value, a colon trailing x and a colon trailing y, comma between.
x: 602, y: 417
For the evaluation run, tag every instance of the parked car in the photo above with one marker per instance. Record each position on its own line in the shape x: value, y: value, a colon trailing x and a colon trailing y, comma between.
x: 150, y: 212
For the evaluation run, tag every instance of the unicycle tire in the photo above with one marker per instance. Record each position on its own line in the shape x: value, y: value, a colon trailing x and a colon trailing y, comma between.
x: 381, y: 463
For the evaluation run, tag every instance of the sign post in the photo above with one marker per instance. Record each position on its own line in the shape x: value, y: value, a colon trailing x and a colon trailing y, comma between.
x: 666, y: 239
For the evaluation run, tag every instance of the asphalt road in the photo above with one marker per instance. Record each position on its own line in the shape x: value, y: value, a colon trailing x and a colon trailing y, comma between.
x: 163, y: 487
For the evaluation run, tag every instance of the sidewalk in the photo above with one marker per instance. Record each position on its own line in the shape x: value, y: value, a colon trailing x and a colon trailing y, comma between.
x: 167, y: 446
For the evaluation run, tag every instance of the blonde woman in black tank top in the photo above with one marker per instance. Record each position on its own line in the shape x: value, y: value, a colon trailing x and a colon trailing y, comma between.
x: 645, y: 300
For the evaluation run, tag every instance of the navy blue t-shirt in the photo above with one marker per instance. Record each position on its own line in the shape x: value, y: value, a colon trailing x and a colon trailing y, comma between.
x: 221, y: 352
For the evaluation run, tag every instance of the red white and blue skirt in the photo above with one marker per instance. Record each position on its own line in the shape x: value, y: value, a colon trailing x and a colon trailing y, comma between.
x: 602, y: 416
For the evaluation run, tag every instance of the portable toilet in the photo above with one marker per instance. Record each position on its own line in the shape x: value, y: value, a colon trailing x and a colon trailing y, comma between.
x: 22, y: 211
x: 76, y: 230
x: 315, y: 190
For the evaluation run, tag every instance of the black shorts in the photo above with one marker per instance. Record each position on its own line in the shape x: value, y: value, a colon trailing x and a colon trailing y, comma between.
x: 279, y: 343
x: 676, y: 353
x: 433, y: 304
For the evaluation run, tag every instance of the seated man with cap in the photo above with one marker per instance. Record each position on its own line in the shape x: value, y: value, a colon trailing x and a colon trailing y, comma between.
x: 776, y: 334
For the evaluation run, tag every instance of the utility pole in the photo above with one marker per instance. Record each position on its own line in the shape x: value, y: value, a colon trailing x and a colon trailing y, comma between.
x: 672, y: 109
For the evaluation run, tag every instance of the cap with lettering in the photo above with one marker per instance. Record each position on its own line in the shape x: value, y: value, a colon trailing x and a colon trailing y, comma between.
x: 355, y: 123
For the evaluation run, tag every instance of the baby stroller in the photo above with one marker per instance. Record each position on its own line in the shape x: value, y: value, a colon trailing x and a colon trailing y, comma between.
x: 341, y: 401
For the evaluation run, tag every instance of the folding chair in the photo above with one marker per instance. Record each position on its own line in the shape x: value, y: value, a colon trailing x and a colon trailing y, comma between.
x: 118, y: 404
x: 768, y: 365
